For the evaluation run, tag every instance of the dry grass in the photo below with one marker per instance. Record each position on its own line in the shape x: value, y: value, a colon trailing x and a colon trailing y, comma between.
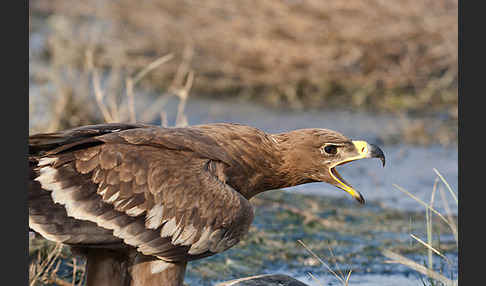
x: 390, y: 54
x: 91, y: 95
x: 430, y: 245
x: 44, y: 267
x: 448, y: 219
x: 343, y: 279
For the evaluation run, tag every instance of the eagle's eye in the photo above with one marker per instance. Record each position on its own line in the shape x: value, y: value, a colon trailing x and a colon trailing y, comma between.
x: 330, y: 149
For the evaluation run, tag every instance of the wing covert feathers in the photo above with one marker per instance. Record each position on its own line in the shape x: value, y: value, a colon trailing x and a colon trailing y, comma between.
x: 145, y: 187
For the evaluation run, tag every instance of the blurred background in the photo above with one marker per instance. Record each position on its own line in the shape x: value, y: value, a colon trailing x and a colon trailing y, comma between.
x: 381, y: 71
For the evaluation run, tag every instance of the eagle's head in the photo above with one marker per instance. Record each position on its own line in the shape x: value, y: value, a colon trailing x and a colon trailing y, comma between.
x: 314, y: 154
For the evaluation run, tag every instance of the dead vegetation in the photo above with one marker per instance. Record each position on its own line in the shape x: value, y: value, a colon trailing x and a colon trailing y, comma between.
x: 46, y: 260
x: 387, y: 54
x: 344, y: 280
x: 89, y: 95
x: 431, y: 245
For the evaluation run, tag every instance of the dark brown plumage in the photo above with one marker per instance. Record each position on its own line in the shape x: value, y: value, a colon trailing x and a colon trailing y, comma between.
x: 177, y: 194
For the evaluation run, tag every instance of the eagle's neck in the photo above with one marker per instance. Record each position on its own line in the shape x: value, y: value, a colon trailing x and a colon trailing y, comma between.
x: 292, y: 168
x: 273, y: 166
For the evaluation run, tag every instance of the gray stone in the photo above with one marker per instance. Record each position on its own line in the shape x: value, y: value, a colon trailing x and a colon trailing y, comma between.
x: 264, y: 280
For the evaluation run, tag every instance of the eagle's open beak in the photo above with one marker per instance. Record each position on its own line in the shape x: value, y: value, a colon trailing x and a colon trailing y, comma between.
x: 364, y: 150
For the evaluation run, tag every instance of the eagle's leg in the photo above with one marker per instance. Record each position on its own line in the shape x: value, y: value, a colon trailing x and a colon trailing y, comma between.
x: 148, y: 270
x: 129, y: 268
x: 107, y: 267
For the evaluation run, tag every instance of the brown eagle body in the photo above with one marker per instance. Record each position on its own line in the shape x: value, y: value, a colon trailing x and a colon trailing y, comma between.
x: 177, y: 194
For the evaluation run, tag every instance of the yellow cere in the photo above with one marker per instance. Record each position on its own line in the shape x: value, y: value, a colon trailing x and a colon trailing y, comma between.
x: 361, y: 146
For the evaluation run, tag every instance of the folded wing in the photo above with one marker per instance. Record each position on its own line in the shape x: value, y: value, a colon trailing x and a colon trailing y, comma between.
x: 154, y: 189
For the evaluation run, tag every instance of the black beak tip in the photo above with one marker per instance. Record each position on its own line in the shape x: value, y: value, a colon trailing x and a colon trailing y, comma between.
x: 376, y: 152
x: 360, y: 199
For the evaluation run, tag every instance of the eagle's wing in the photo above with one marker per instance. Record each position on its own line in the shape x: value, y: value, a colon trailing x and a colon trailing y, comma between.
x: 156, y: 189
